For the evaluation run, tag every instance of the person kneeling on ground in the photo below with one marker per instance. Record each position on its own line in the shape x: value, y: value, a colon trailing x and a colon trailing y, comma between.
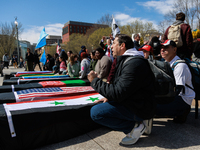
x: 125, y: 106
x: 180, y: 107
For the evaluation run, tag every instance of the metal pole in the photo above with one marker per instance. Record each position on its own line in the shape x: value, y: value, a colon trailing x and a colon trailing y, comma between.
x: 17, y: 45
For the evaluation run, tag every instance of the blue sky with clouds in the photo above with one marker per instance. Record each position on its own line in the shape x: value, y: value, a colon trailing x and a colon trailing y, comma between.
x: 53, y: 14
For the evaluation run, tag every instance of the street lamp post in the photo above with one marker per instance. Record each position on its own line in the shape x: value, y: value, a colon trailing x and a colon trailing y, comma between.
x: 16, y: 24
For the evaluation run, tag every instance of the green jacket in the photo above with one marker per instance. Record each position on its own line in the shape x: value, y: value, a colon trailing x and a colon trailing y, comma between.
x: 73, y: 70
x: 93, y: 63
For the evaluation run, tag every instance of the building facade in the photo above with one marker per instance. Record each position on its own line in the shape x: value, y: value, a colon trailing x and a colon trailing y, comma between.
x: 77, y: 27
x: 52, y: 39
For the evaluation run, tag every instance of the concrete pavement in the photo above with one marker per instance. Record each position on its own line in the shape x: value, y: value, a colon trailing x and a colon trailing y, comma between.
x: 165, y: 135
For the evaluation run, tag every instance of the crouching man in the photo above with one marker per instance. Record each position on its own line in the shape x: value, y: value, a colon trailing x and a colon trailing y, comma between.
x: 129, y: 99
x: 179, y: 108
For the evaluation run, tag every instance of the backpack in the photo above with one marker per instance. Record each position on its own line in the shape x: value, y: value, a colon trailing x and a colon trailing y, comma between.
x: 195, y: 72
x: 174, y: 34
x: 165, y: 85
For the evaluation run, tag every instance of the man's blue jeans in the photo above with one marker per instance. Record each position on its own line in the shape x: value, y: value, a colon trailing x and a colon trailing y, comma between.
x: 173, y: 109
x: 114, y: 116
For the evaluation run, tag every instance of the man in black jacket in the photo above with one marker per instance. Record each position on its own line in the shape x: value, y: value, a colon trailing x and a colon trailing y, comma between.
x: 136, y: 41
x: 129, y: 99
x: 36, y: 59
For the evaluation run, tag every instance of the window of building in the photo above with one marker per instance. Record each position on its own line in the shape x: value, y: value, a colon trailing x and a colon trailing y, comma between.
x: 65, y: 30
x: 70, y: 29
x: 78, y: 29
x: 84, y: 29
x: 74, y: 29
x: 81, y: 29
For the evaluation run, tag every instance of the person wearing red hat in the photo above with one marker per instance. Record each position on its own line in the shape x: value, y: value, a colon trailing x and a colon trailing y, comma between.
x: 180, y: 107
x: 147, y: 50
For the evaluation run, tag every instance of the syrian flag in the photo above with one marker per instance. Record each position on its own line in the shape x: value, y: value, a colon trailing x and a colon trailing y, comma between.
x: 52, y: 120
x: 57, y: 48
x: 44, y: 84
x: 63, y: 101
x: 115, y: 28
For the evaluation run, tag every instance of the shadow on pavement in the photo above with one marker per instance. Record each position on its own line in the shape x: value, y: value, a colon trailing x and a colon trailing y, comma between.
x: 167, y: 134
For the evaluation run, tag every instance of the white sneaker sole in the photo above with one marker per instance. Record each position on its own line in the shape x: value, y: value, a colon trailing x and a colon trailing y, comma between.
x: 130, y: 140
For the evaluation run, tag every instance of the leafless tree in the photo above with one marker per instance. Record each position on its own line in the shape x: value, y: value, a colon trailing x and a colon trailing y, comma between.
x: 106, y: 19
x: 197, y: 15
x: 8, y: 37
x: 138, y: 26
x: 162, y: 26
x: 188, y: 7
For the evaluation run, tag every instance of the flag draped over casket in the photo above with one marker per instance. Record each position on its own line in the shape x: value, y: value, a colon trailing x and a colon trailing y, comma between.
x: 18, y: 74
x: 44, y: 84
x: 43, y: 93
x: 45, y: 76
x: 25, y: 81
x: 29, y: 124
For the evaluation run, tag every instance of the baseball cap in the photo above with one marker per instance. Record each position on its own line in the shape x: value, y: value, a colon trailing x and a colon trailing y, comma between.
x: 169, y: 42
x: 147, y: 48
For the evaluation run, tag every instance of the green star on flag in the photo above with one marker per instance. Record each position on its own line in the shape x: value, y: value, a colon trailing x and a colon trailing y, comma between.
x: 93, y: 99
x: 58, y: 103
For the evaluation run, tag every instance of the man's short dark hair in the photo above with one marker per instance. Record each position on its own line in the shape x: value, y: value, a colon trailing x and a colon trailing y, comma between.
x: 93, y: 52
x: 123, y: 38
x: 180, y: 16
x: 56, y: 54
x: 100, y: 50
x: 70, y: 52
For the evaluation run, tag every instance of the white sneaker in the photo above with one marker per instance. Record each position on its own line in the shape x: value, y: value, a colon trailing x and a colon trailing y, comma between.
x: 148, y: 124
x: 134, y: 135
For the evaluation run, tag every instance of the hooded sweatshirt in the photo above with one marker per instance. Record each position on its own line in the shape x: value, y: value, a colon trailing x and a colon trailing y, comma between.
x: 129, y: 52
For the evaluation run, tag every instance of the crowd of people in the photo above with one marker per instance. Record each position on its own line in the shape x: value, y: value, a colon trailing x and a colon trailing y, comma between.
x: 130, y: 104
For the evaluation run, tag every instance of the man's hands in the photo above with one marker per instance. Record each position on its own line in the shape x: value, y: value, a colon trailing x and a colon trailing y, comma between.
x: 92, y: 75
x: 101, y: 100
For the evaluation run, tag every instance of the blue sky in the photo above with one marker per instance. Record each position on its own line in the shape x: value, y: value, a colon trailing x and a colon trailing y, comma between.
x: 53, y: 14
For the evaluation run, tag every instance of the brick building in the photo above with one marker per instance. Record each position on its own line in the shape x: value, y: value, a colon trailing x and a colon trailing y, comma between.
x: 77, y: 27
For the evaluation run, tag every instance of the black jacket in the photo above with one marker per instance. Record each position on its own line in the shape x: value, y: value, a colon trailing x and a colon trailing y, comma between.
x: 49, y: 64
x: 137, y: 45
x: 30, y: 57
x: 36, y: 57
x: 133, y: 86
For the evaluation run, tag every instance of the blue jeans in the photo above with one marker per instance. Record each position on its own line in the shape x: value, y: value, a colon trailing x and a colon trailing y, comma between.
x: 54, y: 68
x: 173, y: 109
x: 114, y: 116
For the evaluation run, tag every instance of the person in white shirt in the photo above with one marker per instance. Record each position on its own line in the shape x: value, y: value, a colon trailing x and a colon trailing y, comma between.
x: 180, y: 107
